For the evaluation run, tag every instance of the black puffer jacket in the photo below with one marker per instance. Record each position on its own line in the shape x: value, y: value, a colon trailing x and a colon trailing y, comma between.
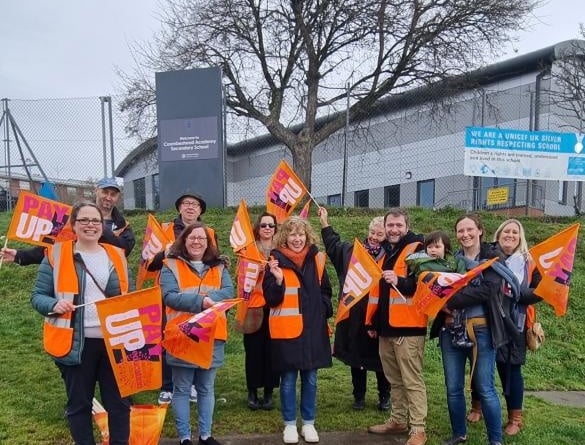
x: 311, y: 350
x: 353, y: 346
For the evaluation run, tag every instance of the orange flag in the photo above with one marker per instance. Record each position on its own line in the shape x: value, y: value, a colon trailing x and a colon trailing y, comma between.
x: 154, y: 241
x: 191, y: 337
x: 305, y: 210
x: 284, y: 192
x: 242, y: 234
x: 434, y: 289
x: 131, y: 325
x: 38, y: 220
x: 554, y: 259
x: 362, y: 273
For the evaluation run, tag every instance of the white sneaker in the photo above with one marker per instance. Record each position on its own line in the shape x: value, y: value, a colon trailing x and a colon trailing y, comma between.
x: 290, y: 434
x: 165, y: 397
x: 309, y: 433
x: 193, y: 396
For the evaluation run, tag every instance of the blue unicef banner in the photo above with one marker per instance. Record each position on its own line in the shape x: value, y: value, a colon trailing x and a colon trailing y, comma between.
x: 523, y: 154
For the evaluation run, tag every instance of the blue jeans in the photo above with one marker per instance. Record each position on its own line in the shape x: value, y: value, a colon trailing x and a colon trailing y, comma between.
x: 204, y: 380
x: 288, y: 396
x: 454, y: 360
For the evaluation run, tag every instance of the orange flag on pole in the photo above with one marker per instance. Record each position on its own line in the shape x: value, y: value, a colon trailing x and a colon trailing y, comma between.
x: 554, y: 259
x: 38, y: 220
x: 305, y: 210
x: 242, y: 234
x: 362, y: 273
x: 284, y: 192
x: 154, y: 241
x: 434, y: 289
x: 191, y: 337
x: 131, y: 325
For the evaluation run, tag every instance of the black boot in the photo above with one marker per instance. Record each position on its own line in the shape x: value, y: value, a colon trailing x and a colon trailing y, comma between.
x: 384, y: 402
x: 267, y: 403
x: 359, y: 403
x: 253, y: 402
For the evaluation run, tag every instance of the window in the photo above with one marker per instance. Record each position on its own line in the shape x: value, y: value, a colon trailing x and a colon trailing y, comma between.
x: 563, y: 192
x: 361, y: 198
x: 139, y: 193
x: 334, y: 200
x: 155, y: 191
x: 24, y: 185
x: 425, y: 193
x: 392, y: 196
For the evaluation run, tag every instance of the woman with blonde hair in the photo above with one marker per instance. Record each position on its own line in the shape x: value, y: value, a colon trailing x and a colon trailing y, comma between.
x: 298, y: 291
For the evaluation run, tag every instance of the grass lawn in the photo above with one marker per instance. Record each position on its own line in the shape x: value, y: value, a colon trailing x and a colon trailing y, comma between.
x: 33, y: 395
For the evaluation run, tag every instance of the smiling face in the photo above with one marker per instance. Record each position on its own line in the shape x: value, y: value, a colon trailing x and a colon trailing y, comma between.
x: 267, y: 228
x: 468, y: 234
x: 106, y: 199
x: 376, y: 235
x: 190, y: 210
x: 196, y: 243
x: 88, y: 225
x: 509, y: 238
x: 296, y: 239
x: 396, y: 227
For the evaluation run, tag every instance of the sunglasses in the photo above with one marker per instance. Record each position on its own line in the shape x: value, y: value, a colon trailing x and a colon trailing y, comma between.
x: 265, y: 225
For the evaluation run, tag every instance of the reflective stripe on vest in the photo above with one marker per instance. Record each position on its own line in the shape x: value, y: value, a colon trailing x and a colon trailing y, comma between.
x: 285, y: 320
x: 401, y: 312
x: 57, y: 330
x: 189, y: 282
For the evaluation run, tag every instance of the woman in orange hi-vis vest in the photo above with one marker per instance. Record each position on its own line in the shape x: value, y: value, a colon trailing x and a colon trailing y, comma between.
x: 297, y: 289
x: 72, y: 276
x: 259, y: 372
x: 193, y: 279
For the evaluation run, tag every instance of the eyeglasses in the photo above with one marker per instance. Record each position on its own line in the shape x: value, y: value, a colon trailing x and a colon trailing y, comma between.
x: 197, y: 238
x: 87, y: 221
x: 265, y: 225
x: 191, y: 204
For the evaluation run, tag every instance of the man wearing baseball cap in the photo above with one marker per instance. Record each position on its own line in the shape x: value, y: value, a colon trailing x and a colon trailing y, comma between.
x: 116, y: 231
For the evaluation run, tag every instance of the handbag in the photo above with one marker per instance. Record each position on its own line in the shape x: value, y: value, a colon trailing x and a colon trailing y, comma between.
x: 252, y: 320
x: 534, y: 336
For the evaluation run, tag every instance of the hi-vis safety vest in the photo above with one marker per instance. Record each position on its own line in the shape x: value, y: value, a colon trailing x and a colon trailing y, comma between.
x: 401, y: 312
x: 58, y: 330
x: 286, y: 320
x: 190, y: 282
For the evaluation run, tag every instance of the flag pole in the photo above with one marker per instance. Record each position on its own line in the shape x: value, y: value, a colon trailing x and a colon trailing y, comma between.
x: 79, y: 305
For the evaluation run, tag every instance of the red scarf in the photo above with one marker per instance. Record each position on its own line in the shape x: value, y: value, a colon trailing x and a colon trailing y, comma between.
x: 298, y: 258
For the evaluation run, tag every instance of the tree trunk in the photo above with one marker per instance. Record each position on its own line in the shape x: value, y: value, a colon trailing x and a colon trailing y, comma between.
x: 302, y: 153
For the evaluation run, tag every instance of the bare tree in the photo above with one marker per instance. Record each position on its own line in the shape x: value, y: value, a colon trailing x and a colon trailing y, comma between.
x: 288, y: 62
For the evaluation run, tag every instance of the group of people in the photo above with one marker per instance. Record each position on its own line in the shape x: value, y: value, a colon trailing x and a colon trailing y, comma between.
x: 291, y: 304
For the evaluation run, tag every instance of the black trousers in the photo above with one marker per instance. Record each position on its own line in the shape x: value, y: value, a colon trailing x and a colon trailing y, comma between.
x: 259, y: 373
x: 359, y: 378
x: 80, y: 381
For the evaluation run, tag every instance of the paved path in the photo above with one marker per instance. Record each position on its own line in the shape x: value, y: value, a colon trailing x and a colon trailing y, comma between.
x: 334, y: 438
x: 566, y: 398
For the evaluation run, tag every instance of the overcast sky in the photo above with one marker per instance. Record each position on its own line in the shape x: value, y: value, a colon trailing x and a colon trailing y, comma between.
x: 70, y: 48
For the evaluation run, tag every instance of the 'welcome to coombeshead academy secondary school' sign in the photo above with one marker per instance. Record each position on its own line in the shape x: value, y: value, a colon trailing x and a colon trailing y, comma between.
x: 505, y: 153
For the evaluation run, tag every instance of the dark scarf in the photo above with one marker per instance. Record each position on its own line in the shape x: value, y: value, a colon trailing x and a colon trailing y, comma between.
x: 374, y: 251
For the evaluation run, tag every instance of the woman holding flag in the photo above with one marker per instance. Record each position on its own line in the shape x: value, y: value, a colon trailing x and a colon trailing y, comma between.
x: 511, y: 240
x: 259, y: 372
x: 193, y: 279
x: 476, y: 305
x: 72, y: 276
x: 298, y: 291
x: 353, y: 346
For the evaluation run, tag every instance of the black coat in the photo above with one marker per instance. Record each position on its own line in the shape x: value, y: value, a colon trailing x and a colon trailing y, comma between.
x: 352, y: 344
x: 311, y: 350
